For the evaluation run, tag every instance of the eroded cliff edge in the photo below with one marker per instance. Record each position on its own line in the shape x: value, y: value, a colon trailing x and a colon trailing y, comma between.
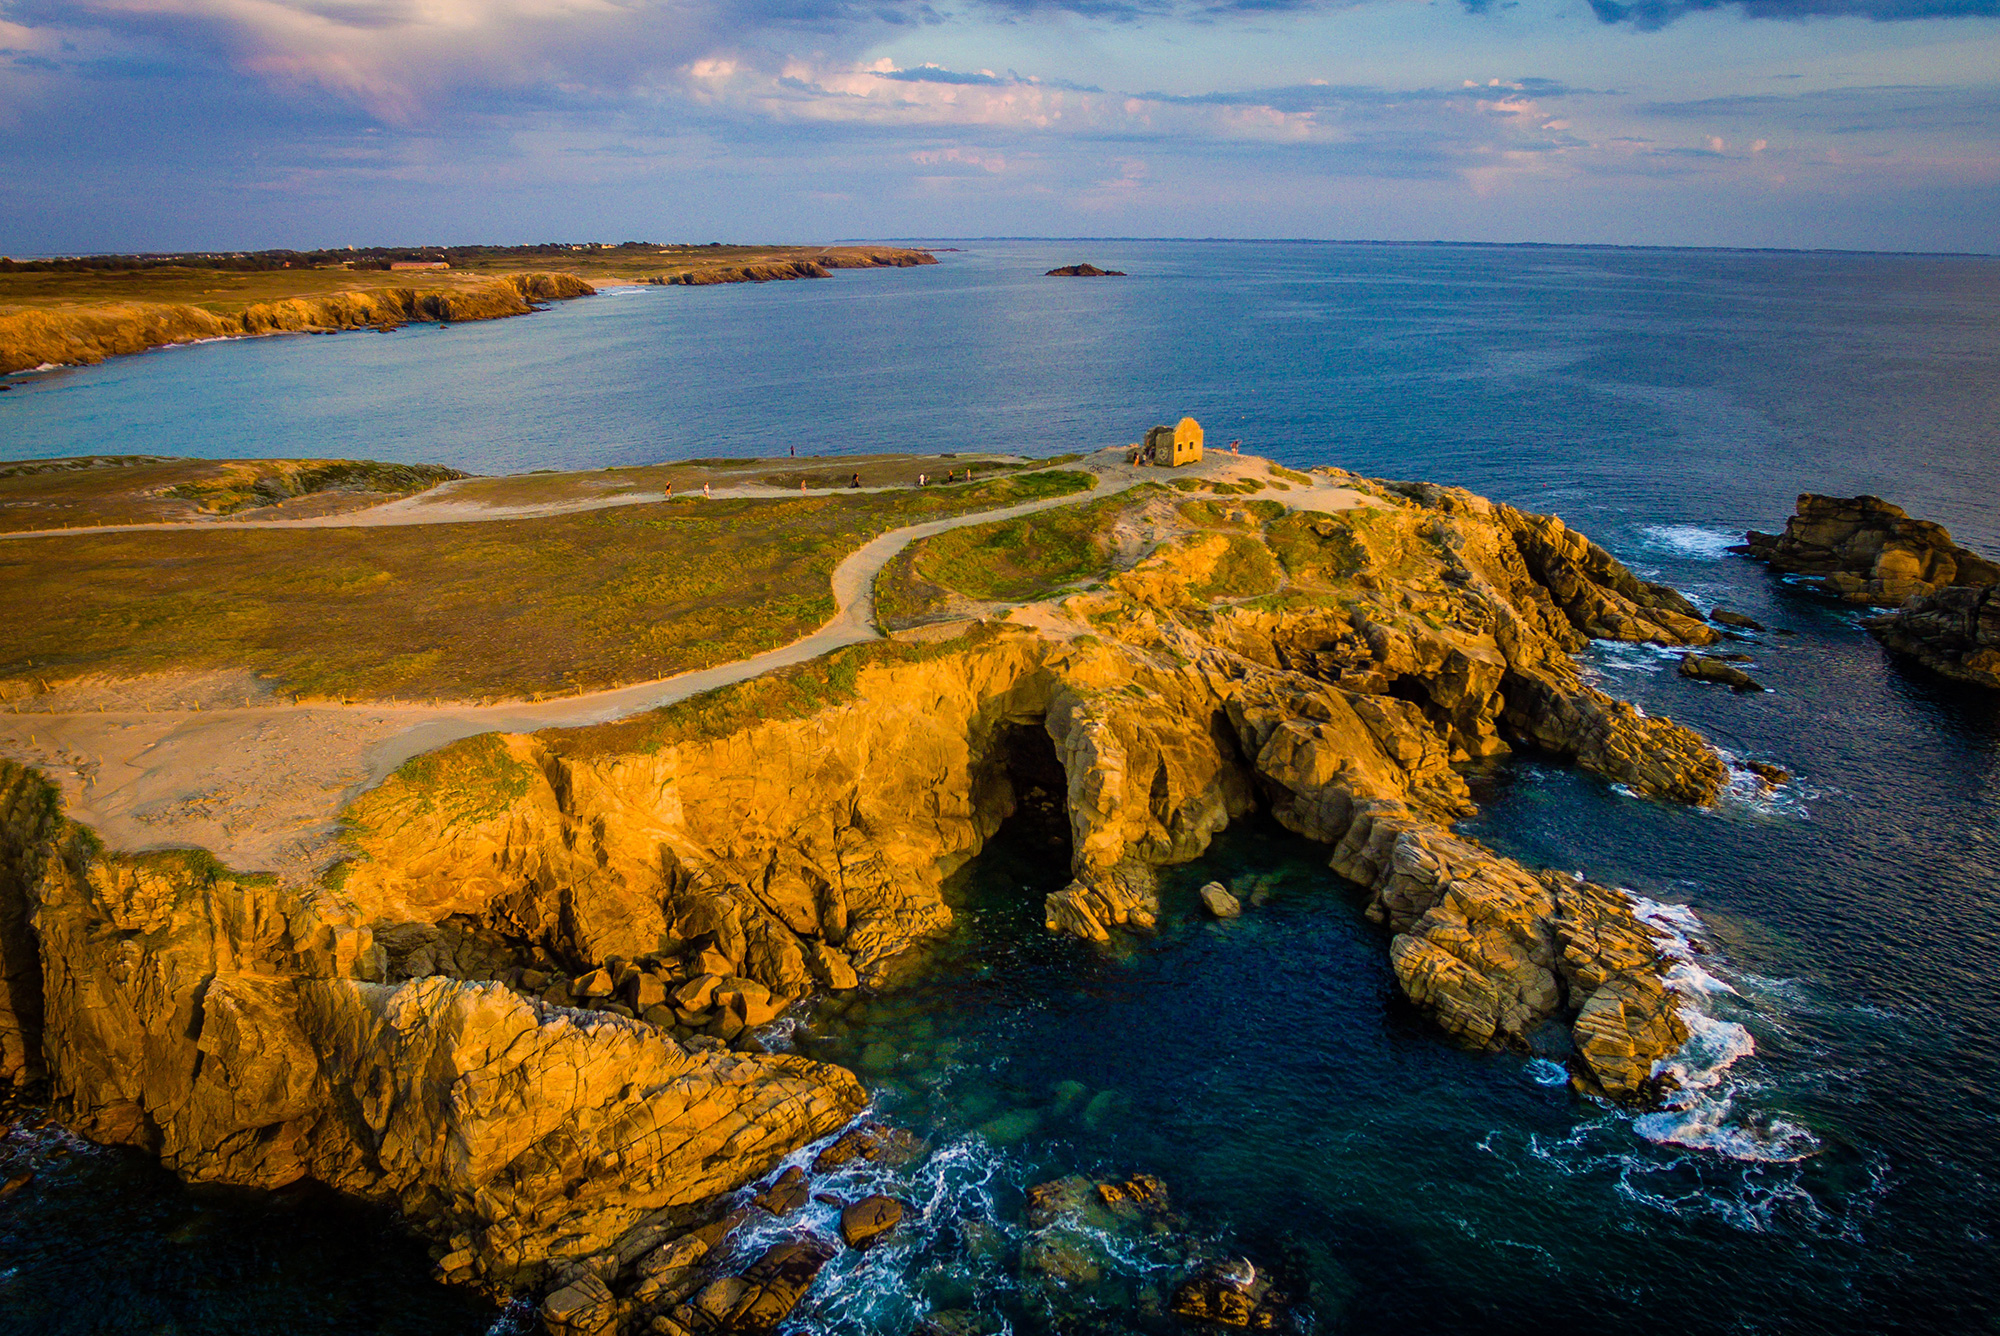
x: 509, y: 1010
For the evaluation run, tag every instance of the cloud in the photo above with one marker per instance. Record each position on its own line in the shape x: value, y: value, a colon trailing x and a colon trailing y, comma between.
x: 1652, y: 14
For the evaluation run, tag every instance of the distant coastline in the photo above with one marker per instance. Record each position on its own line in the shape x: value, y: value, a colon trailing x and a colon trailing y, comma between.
x: 83, y: 310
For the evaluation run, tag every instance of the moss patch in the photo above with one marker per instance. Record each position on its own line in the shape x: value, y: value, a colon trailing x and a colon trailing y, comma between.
x: 1245, y: 570
x: 1018, y: 560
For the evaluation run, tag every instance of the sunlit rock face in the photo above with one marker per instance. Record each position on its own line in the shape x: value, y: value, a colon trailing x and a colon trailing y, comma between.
x: 525, y: 1005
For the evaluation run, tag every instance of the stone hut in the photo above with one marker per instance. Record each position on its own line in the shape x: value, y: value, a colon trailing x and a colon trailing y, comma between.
x: 1173, y: 446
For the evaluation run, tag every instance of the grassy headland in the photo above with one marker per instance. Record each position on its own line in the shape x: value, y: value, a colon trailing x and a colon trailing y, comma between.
x: 503, y: 608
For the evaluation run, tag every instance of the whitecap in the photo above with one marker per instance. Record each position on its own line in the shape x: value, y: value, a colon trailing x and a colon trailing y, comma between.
x: 1701, y: 1113
x: 1545, y: 1073
x: 1710, y: 1125
x: 1700, y: 542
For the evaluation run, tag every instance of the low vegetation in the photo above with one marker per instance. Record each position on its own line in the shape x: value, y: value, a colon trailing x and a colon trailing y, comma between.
x: 1014, y: 561
x: 501, y: 609
x: 149, y: 489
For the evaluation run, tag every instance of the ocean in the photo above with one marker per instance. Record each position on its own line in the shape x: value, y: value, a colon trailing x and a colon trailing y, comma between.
x: 1836, y: 1167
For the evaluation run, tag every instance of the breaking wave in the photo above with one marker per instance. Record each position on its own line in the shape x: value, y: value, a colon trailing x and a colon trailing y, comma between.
x: 1699, y: 542
x: 1703, y: 1111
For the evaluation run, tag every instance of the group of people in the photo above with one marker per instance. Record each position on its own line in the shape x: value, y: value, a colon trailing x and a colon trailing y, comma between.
x: 923, y: 480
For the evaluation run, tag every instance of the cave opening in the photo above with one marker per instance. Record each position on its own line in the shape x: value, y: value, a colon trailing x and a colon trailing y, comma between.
x: 1038, y: 813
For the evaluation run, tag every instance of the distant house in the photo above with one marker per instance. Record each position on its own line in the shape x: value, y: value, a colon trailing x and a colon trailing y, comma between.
x: 1173, y: 446
x: 419, y: 264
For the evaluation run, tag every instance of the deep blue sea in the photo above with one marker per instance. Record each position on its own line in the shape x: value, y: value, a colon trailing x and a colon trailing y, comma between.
x: 1840, y: 1169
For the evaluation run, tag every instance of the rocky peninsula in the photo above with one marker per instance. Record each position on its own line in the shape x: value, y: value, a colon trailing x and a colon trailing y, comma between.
x: 1864, y: 550
x: 528, y: 1002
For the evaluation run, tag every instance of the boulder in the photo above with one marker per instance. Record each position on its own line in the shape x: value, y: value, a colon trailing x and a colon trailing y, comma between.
x: 868, y: 1219
x: 1708, y: 668
x: 774, y: 1284
x: 1217, y: 900
x: 1724, y: 617
x: 875, y: 1143
x: 584, y: 1307
x: 787, y: 1194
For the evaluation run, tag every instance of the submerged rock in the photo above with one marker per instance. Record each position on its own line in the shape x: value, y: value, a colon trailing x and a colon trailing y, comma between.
x: 1231, y: 1293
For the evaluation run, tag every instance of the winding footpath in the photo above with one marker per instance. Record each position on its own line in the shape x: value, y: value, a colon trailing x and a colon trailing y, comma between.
x: 261, y: 785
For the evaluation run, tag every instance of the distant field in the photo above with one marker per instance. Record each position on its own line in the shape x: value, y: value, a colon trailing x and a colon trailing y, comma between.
x: 143, y: 489
x: 503, y: 608
x: 230, y: 292
x: 532, y: 489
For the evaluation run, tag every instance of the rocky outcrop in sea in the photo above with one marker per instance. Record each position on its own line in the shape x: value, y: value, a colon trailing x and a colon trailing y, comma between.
x: 1864, y: 550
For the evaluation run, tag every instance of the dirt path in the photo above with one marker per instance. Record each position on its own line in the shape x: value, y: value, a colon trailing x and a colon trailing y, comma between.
x: 436, y: 506
x: 260, y: 784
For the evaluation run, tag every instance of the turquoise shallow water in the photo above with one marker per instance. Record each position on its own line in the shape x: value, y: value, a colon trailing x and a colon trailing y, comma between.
x: 1841, y: 1177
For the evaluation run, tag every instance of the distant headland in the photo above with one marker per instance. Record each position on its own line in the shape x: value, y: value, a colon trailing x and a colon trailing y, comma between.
x: 81, y: 310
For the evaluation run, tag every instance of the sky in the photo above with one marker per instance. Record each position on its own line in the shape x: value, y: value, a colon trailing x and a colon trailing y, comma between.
x: 152, y: 125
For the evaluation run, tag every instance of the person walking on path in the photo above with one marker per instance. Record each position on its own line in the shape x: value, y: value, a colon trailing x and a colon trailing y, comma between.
x: 705, y: 494
x: 1232, y: 446
x: 856, y: 482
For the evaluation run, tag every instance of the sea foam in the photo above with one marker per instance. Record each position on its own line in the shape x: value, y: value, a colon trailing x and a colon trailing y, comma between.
x: 1698, y: 542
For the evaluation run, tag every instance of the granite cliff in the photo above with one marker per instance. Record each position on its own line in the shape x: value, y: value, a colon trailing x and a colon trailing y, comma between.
x: 526, y: 1005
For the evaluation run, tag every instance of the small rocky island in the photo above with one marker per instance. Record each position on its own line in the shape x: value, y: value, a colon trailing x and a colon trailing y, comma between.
x: 1863, y: 550
x: 530, y: 1002
x: 1084, y: 271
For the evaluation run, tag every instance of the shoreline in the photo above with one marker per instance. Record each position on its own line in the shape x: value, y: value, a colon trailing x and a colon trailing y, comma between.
x: 89, y: 333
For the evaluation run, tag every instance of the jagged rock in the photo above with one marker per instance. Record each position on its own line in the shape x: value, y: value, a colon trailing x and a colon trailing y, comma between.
x: 1955, y: 632
x: 1231, y: 1293
x: 773, y: 1285
x: 1740, y: 621
x: 1709, y: 668
x: 584, y: 1307
x: 876, y: 1143
x: 1217, y: 900
x: 1770, y: 774
x: 787, y: 1194
x: 1864, y: 550
x: 866, y: 1220
x: 830, y: 967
